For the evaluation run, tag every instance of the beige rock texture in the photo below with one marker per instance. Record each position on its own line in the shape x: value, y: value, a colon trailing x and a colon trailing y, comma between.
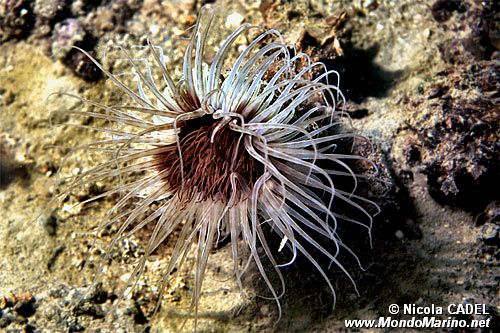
x: 394, y: 58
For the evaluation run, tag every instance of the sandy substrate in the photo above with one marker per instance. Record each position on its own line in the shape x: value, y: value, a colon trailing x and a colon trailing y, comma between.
x: 436, y: 242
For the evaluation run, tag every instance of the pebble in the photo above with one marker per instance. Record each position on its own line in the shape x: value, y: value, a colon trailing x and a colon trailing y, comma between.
x: 49, y: 223
x: 7, y: 97
x: 399, y: 234
x: 234, y: 20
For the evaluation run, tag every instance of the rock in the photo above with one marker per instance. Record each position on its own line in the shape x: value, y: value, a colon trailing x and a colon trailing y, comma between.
x: 7, y: 97
x: 49, y: 9
x: 22, y: 304
x: 455, y: 134
x: 47, y: 13
x: 399, y: 234
x: 81, y: 7
x: 10, y: 167
x: 490, y: 234
x: 82, y: 66
x: 16, y: 19
x: 66, y: 34
x: 48, y: 223
x: 442, y: 10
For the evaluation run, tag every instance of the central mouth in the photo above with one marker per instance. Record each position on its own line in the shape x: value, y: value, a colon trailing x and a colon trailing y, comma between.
x: 211, y: 156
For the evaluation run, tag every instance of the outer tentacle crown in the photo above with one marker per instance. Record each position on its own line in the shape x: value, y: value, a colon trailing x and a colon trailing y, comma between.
x: 224, y: 149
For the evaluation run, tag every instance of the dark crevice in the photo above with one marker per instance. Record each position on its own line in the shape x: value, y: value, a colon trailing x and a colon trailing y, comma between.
x: 360, y: 76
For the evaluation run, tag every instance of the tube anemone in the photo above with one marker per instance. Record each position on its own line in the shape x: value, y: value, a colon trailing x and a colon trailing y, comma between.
x: 225, y: 149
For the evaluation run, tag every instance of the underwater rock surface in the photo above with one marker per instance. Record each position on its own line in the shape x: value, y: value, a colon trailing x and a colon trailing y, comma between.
x: 422, y: 82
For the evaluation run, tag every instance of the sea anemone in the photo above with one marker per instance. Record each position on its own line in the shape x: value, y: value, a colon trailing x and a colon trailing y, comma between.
x: 225, y: 150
